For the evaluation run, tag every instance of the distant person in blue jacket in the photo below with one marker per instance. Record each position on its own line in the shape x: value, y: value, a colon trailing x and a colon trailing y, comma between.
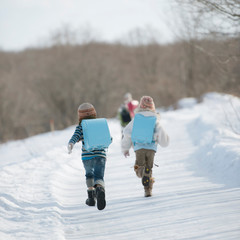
x: 93, y: 161
x: 144, y: 132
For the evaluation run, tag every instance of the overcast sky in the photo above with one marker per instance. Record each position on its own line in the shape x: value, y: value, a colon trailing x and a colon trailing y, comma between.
x: 25, y: 23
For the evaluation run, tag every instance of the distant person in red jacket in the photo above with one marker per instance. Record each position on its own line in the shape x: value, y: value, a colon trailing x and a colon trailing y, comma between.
x: 127, y: 110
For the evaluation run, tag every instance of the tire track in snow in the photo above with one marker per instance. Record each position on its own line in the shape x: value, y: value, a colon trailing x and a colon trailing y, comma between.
x: 27, y: 208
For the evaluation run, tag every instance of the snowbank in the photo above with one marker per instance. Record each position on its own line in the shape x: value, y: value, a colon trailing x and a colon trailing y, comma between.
x: 216, y: 132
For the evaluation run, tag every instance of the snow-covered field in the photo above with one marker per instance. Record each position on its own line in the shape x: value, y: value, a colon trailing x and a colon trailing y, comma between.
x: 196, y: 195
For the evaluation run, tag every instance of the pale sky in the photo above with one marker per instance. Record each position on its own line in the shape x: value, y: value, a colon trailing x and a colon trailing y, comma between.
x: 25, y: 23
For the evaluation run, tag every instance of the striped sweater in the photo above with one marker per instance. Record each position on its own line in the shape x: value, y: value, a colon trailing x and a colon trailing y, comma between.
x: 78, y: 136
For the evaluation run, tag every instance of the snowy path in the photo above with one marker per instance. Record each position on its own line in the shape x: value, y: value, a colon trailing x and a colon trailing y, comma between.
x: 43, y: 192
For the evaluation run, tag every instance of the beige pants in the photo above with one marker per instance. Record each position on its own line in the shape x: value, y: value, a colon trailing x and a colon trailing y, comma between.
x: 144, y: 158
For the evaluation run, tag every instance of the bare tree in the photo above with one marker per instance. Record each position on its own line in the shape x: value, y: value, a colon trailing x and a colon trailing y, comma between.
x: 216, y: 17
x: 67, y: 35
x: 213, y: 21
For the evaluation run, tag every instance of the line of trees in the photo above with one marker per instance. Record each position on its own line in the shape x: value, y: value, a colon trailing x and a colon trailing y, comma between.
x: 38, y: 85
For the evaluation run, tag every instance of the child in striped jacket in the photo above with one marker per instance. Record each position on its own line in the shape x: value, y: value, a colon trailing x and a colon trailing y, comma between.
x: 93, y: 161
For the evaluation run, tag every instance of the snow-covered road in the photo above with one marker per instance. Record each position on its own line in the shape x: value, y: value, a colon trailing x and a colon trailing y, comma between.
x: 196, y: 195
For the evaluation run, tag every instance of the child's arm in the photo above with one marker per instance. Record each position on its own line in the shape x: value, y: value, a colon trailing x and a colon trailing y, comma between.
x: 77, y: 136
x: 161, y: 136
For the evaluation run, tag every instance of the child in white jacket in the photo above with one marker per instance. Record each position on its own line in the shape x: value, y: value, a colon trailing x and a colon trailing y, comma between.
x: 145, y: 152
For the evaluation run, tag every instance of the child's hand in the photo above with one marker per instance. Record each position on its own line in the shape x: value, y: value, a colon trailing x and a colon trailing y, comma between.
x: 70, y: 147
x: 155, y: 137
x: 126, y: 153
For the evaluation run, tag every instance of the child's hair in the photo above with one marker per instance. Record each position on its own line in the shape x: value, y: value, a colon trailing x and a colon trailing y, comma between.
x: 86, y: 111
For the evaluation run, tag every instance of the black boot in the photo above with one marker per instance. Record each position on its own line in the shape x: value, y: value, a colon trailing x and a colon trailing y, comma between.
x: 91, y: 198
x: 101, y: 202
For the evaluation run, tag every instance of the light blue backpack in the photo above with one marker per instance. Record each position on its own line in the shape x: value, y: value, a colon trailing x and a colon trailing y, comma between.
x: 143, y: 129
x: 96, y: 134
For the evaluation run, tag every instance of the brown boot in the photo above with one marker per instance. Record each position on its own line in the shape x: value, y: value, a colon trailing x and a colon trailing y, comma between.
x: 148, y: 189
x: 139, y: 170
